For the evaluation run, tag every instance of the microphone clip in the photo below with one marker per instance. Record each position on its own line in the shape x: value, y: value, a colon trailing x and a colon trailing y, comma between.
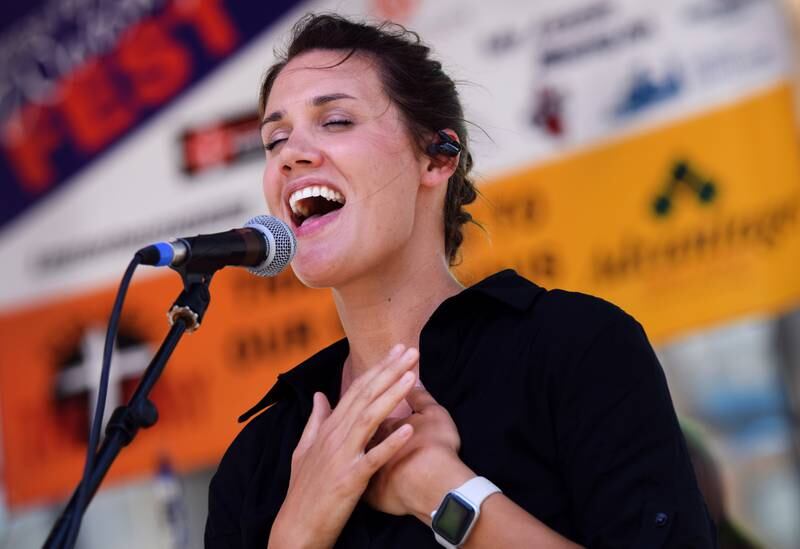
x: 191, y: 304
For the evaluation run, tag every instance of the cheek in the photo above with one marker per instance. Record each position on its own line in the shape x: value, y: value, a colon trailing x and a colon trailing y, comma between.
x: 393, y: 211
x: 270, y: 188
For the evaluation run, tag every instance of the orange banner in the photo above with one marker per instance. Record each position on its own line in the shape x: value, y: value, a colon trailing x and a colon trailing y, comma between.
x: 254, y: 329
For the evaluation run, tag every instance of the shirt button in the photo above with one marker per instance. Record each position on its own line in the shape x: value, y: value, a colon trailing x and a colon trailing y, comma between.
x: 661, y: 519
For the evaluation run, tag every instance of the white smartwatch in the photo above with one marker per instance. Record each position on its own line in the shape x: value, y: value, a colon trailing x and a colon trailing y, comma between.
x: 456, y: 515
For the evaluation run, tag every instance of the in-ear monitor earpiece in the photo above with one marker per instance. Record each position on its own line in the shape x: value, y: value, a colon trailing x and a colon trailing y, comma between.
x: 446, y: 146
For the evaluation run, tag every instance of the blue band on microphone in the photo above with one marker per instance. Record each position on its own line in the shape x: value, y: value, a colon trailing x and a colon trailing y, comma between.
x: 166, y: 253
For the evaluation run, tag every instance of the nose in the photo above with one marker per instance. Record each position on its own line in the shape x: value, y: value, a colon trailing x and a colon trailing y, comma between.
x: 297, y: 153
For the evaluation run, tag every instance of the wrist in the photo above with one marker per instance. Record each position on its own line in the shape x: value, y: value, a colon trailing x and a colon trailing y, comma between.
x: 287, y: 533
x: 432, y: 486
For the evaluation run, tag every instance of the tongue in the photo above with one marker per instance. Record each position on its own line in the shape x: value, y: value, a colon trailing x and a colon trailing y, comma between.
x: 309, y: 218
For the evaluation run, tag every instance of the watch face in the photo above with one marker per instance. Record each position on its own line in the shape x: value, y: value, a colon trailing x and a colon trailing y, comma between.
x: 453, y: 518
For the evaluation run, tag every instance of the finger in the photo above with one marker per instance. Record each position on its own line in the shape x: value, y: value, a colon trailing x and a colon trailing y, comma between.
x: 383, y: 452
x: 392, y: 371
x: 320, y: 410
x: 366, y: 424
x: 394, y: 352
x: 392, y: 424
x: 386, y: 428
x: 367, y: 391
x: 364, y: 379
x: 419, y: 398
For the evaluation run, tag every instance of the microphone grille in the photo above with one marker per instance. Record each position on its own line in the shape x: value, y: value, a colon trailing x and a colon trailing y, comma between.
x: 282, y: 241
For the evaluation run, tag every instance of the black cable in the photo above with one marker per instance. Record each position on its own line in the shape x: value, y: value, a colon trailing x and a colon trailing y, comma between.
x: 97, y: 422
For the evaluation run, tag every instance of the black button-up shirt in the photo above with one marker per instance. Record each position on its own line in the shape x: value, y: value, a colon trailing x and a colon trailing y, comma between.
x: 558, y: 398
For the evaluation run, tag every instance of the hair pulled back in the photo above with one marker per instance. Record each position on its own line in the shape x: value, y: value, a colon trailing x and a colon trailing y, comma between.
x: 426, y: 97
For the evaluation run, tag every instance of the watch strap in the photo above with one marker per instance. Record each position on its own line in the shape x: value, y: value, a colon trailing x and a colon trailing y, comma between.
x: 475, y: 491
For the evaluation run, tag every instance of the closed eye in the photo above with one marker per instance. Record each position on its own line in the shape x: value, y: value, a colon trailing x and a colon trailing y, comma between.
x: 272, y: 144
x: 340, y: 122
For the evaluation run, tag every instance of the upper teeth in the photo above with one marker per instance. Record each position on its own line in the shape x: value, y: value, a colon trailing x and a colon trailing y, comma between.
x: 308, y: 192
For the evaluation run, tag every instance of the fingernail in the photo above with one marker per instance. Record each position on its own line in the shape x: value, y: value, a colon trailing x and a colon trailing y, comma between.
x: 404, y: 430
x: 410, y: 353
x: 396, y: 350
x: 407, y: 378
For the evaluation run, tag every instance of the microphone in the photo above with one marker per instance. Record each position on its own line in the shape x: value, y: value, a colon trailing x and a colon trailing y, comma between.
x: 265, y: 245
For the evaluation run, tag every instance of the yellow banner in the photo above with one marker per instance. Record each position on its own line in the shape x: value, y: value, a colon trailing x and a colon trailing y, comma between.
x: 684, y: 226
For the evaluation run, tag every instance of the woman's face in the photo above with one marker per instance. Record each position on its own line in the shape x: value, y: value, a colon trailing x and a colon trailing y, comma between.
x: 341, y: 168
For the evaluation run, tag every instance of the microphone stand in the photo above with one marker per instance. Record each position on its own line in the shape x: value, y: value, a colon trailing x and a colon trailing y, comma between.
x: 185, y: 315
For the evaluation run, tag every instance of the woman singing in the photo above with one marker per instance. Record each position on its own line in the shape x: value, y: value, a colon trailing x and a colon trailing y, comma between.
x: 500, y: 415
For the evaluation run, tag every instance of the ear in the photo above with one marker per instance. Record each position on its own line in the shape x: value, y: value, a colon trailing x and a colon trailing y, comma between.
x: 437, y: 168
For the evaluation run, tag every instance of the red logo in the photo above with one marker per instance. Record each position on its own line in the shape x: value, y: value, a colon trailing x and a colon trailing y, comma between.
x: 548, y: 113
x: 221, y: 143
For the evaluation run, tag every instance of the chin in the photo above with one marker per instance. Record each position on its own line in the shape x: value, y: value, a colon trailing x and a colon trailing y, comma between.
x: 317, y: 270
x: 310, y: 281
x: 331, y: 270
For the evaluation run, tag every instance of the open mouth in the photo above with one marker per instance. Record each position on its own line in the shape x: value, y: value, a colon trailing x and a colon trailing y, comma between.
x: 314, y: 201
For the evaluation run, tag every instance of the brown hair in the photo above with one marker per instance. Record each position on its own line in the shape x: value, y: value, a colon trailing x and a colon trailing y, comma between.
x: 424, y: 94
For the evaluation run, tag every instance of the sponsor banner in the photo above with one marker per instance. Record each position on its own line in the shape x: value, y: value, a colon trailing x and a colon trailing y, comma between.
x: 50, y: 358
x: 198, y: 152
x: 605, y: 171
x: 76, y: 231
x: 553, y: 78
x: 76, y: 78
x: 679, y: 232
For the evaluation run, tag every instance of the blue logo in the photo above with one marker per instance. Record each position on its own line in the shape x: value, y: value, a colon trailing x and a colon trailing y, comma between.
x: 706, y: 10
x: 645, y: 90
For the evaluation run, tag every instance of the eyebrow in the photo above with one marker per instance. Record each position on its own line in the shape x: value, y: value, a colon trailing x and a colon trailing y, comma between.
x: 318, y: 101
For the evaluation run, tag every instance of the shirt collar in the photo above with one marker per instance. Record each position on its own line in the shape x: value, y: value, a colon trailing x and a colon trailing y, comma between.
x: 506, y: 287
x: 322, y: 371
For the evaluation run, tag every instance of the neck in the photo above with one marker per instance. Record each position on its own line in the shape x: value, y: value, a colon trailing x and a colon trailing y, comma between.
x: 390, y: 308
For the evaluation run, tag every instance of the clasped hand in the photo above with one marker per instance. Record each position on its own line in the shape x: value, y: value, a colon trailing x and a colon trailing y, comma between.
x: 354, y: 450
